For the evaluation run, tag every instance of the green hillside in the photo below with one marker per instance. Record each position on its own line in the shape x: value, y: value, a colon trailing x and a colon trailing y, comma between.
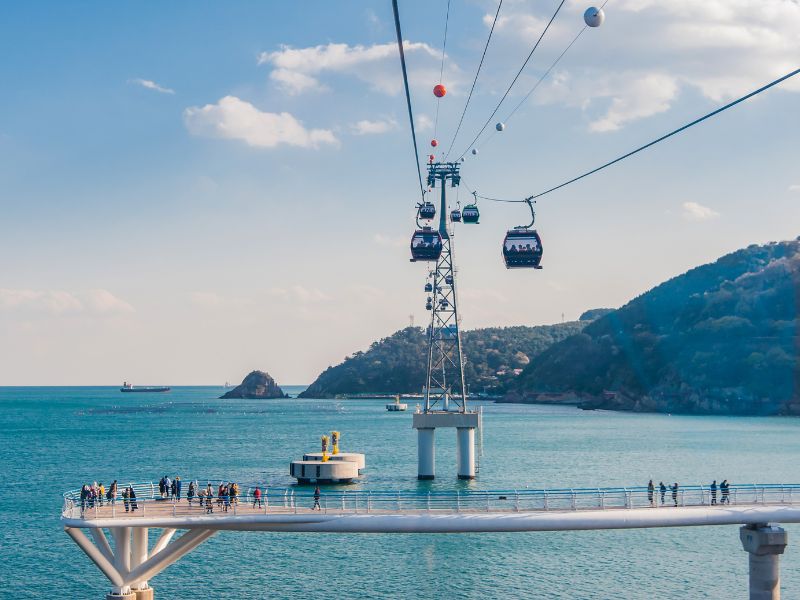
x: 396, y: 364
x: 721, y: 338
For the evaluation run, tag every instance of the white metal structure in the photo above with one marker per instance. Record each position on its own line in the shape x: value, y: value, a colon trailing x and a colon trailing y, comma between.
x: 131, y: 563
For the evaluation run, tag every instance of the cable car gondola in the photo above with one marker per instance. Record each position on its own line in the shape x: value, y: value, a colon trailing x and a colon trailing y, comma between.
x: 426, y: 244
x: 428, y: 287
x: 426, y: 210
x: 522, y: 246
x: 455, y: 215
x: 448, y: 279
x: 471, y: 214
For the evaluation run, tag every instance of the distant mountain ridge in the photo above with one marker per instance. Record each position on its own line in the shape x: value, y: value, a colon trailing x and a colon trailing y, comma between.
x: 719, y: 339
x: 397, y: 364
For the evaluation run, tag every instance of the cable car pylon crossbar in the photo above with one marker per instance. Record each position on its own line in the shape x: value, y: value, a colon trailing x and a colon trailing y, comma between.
x: 445, y: 373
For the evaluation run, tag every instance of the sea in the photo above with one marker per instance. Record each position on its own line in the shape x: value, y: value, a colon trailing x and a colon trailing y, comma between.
x: 53, y: 439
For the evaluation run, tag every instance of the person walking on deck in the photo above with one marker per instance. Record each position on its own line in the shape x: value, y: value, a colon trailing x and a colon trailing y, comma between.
x: 125, y: 499
x: 190, y: 492
x: 112, y: 492
x: 168, y: 486
x: 674, y: 489
x: 713, y: 492
x: 132, y: 496
x: 650, y: 490
x: 663, y: 489
x: 101, y: 493
x: 161, y: 486
x: 725, y: 488
x: 316, y: 499
x: 257, y: 497
x: 226, y: 498
x: 178, y: 489
x: 209, y: 503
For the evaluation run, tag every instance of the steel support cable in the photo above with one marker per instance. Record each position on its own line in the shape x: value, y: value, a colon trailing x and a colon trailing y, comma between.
x: 654, y: 142
x: 408, y: 93
x: 441, y: 68
x: 474, y: 81
x: 513, y: 81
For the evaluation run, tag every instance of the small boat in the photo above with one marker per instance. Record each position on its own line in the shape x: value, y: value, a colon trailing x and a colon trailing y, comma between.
x: 396, y: 406
x: 129, y: 387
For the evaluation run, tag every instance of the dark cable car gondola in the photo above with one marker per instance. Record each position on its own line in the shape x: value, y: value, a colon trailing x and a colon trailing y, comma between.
x: 428, y: 287
x: 429, y: 304
x: 455, y: 215
x: 471, y: 214
x: 426, y: 244
x: 426, y: 210
x: 522, y: 246
x: 448, y: 279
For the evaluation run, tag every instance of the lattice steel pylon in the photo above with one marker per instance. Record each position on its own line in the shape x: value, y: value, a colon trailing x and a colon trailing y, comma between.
x: 445, y: 374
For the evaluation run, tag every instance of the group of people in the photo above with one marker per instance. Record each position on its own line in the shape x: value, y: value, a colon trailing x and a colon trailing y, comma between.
x: 227, y: 495
x: 724, y: 489
x: 96, y: 495
x: 170, y: 488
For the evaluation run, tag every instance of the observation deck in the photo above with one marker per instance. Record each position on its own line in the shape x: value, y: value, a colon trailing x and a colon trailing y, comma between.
x: 132, y: 563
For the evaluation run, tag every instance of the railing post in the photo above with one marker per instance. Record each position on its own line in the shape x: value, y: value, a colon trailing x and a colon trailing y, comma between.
x: 173, y: 509
x: 369, y: 501
x: 574, y: 500
x: 627, y: 497
x: 545, y: 499
x: 398, y: 500
x: 734, y: 496
x: 683, y: 497
x: 458, y: 501
x: 602, y: 499
x: 487, y: 502
x: 294, y: 502
x: 429, y: 501
x: 516, y: 500
x: 343, y: 493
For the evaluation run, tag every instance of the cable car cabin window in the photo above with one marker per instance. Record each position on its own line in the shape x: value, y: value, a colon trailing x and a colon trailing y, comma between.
x: 522, y: 248
x: 426, y: 244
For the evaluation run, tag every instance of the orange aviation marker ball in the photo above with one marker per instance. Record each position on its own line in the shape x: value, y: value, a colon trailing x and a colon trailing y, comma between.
x: 439, y: 90
x: 434, y: 143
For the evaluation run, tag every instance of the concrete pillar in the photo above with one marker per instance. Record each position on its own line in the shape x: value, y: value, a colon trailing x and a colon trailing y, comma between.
x: 121, y: 596
x: 765, y: 544
x: 145, y: 594
x: 465, y: 446
x: 426, y: 453
x: 138, y: 556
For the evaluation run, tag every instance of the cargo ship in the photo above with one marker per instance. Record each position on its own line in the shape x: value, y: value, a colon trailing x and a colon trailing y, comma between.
x: 129, y: 387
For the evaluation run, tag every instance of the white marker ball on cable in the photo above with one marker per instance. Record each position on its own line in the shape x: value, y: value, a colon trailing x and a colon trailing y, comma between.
x: 594, y: 16
x: 500, y: 126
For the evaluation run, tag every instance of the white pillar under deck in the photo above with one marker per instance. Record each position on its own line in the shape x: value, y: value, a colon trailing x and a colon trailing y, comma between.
x: 465, y: 445
x: 764, y: 544
x: 138, y: 555
x: 426, y: 453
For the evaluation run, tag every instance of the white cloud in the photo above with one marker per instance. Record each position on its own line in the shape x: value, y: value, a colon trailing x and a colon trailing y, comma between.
x: 152, y: 85
x: 388, y: 241
x: 234, y: 119
x: 794, y: 188
x: 298, y: 294
x: 366, y: 127
x: 57, y: 302
x: 648, y: 51
x: 376, y: 65
x: 692, y: 211
x: 424, y: 123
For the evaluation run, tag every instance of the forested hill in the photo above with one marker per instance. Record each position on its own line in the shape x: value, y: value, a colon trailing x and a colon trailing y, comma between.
x: 721, y: 338
x: 397, y: 364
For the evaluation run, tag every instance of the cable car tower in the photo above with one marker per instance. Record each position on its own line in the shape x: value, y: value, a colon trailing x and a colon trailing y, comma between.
x: 445, y: 375
x: 445, y: 390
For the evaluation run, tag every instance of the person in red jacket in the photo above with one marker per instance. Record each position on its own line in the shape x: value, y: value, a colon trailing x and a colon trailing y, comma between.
x: 257, y: 497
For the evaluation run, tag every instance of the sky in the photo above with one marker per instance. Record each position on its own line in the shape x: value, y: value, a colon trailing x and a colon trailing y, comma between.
x: 192, y: 190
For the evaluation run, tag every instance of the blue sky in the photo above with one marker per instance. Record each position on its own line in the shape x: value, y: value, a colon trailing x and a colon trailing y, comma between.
x: 191, y: 190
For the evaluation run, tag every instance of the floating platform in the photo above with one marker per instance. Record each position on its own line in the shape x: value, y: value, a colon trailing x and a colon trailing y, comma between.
x: 317, y: 471
x: 355, y: 457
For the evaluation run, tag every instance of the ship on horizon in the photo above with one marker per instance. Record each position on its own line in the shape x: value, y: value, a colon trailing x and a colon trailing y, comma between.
x: 129, y: 387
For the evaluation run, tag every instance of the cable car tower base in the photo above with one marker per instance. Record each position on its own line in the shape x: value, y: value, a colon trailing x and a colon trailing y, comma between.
x: 445, y: 392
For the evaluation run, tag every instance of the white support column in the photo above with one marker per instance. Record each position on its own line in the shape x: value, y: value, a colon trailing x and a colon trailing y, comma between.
x: 101, y: 541
x: 465, y: 445
x: 97, y: 557
x: 765, y: 544
x: 173, y: 552
x: 426, y: 453
x: 163, y: 540
x: 138, y: 556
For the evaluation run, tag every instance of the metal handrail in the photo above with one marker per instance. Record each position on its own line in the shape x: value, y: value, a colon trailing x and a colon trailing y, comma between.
x: 299, y: 500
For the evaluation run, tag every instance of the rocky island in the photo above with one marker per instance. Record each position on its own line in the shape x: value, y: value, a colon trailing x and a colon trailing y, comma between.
x: 257, y: 384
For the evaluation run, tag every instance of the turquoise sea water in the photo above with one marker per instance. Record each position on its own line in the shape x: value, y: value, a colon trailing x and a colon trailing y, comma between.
x: 53, y: 439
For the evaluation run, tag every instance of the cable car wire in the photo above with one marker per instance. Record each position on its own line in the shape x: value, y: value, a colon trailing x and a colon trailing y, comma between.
x: 474, y: 81
x: 408, y: 93
x: 542, y: 78
x: 654, y: 142
x: 441, y: 68
x: 513, y: 81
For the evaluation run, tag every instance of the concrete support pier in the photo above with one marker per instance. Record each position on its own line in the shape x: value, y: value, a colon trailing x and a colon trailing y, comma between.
x: 465, y: 439
x: 426, y: 453
x: 764, y: 544
x: 465, y: 424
